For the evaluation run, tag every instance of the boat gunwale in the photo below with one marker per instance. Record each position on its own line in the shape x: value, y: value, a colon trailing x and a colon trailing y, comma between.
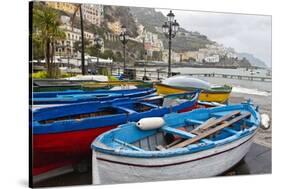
x: 104, y: 91
x: 72, y: 125
x: 73, y: 100
x: 172, y: 152
x: 181, y: 162
x: 102, y: 104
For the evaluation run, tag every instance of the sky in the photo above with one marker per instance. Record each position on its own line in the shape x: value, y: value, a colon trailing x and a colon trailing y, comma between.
x: 245, y: 33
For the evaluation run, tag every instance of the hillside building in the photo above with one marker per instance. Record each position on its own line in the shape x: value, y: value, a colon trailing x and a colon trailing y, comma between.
x: 91, y: 12
x: 66, y: 7
x: 175, y: 57
x: 152, y: 43
x: 188, y: 55
x: 66, y: 47
x: 212, y: 59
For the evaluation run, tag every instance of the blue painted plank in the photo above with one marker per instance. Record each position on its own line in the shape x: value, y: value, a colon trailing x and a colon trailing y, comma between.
x: 182, y: 134
x: 232, y: 131
x: 193, y: 121
x: 130, y: 111
x: 149, y: 104
x: 127, y: 145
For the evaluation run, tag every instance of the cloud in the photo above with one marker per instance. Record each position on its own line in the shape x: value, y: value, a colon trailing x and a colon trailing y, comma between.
x: 245, y: 33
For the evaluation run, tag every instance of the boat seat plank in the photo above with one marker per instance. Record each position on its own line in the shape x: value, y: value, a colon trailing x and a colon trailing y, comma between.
x: 232, y: 131
x: 130, y: 111
x: 178, y: 132
x: 153, y: 98
x: 149, y: 104
x: 127, y: 145
x: 211, y: 131
x: 211, y: 123
x: 193, y: 121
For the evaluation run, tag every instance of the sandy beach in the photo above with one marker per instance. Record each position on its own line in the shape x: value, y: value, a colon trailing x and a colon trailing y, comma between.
x: 263, y: 137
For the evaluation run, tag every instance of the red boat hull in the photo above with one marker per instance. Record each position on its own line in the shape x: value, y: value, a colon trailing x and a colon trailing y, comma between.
x: 56, y: 150
x: 51, y: 151
x: 195, y: 106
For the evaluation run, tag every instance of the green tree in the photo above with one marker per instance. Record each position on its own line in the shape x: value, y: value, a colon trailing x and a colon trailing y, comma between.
x: 118, y: 56
x: 37, y: 49
x: 108, y: 54
x: 156, y: 55
x: 93, y: 51
x: 46, y: 31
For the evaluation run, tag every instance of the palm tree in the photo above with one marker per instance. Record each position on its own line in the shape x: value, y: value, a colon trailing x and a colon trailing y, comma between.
x: 79, y: 8
x: 46, y: 29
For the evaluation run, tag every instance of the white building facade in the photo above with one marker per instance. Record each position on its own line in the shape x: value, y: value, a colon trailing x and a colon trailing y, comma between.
x: 212, y: 59
x: 66, y: 46
x: 93, y: 13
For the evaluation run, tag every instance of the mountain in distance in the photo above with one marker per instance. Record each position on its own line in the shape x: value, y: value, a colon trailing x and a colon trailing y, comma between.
x: 153, y: 20
x: 254, y: 61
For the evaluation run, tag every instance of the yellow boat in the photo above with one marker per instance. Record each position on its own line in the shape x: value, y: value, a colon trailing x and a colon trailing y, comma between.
x: 214, y: 94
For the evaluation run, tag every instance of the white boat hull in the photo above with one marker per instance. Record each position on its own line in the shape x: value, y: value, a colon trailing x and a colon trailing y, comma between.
x: 109, y: 169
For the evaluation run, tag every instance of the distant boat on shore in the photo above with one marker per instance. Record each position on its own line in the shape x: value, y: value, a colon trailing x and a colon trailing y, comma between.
x: 77, y: 96
x: 180, y: 84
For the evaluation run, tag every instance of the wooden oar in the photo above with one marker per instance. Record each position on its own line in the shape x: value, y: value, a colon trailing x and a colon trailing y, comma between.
x: 211, y: 123
x: 211, y: 131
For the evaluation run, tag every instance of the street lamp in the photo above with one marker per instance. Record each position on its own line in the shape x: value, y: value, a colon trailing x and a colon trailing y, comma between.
x: 170, y: 29
x: 68, y: 52
x: 98, y: 44
x: 124, y: 39
x: 145, y: 59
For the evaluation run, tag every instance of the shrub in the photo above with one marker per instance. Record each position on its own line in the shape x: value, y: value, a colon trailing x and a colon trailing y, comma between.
x: 112, y: 78
x: 40, y: 75
x: 64, y: 75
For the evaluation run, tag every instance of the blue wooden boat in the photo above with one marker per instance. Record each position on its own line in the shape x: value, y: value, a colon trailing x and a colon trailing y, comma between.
x: 196, y: 144
x: 62, y: 135
x: 76, y: 96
